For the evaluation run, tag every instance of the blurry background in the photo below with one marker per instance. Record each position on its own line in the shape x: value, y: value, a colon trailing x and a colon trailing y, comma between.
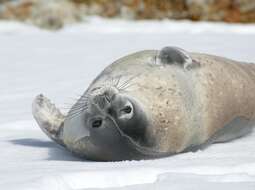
x: 54, y: 14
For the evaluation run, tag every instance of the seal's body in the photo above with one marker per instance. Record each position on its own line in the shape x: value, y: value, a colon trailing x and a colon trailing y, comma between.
x: 156, y: 103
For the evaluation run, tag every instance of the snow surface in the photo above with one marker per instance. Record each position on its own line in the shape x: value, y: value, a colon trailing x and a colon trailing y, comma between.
x: 62, y: 64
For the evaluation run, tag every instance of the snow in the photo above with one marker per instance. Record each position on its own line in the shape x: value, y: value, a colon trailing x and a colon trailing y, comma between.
x: 62, y: 64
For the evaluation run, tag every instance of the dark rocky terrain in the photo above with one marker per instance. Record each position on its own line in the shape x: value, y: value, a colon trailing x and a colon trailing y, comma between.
x: 53, y: 14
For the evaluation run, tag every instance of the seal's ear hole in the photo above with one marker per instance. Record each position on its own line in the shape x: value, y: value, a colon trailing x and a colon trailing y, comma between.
x: 97, y: 123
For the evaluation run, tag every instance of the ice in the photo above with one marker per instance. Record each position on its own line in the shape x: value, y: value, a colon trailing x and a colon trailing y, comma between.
x: 62, y: 64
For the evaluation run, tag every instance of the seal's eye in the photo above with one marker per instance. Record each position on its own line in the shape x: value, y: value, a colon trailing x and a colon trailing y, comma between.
x: 97, y: 123
x: 127, y: 109
x: 126, y: 112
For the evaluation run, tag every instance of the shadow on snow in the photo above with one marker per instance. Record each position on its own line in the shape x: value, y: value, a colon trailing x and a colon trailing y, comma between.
x: 55, y: 151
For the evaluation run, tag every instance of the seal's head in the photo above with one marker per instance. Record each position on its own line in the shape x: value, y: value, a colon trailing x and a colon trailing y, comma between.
x: 111, y: 126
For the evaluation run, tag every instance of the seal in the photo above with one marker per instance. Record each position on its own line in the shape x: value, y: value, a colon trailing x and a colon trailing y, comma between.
x: 155, y: 103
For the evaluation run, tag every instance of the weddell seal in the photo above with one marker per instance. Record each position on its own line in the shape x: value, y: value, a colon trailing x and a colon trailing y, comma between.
x: 153, y: 104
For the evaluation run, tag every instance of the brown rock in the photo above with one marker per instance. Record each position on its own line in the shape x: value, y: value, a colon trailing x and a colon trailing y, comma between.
x: 17, y: 11
x: 53, y: 14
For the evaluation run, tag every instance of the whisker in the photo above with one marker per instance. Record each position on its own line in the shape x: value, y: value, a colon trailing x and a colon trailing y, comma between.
x: 80, y: 105
x: 64, y: 108
x: 78, y: 109
x: 85, y: 95
x: 112, y: 81
x: 72, y: 114
x: 127, y: 86
x: 83, y: 98
x: 118, y: 81
x: 126, y: 82
x: 68, y: 104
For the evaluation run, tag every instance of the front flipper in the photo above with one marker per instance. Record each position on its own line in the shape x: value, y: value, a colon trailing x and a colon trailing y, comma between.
x: 237, y: 128
x: 177, y: 56
x: 49, y: 118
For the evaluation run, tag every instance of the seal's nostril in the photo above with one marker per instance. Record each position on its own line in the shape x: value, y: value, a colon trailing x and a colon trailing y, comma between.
x: 97, y: 123
x: 110, y: 111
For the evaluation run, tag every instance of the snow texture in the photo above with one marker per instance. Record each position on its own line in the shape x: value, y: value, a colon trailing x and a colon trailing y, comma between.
x: 62, y: 64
